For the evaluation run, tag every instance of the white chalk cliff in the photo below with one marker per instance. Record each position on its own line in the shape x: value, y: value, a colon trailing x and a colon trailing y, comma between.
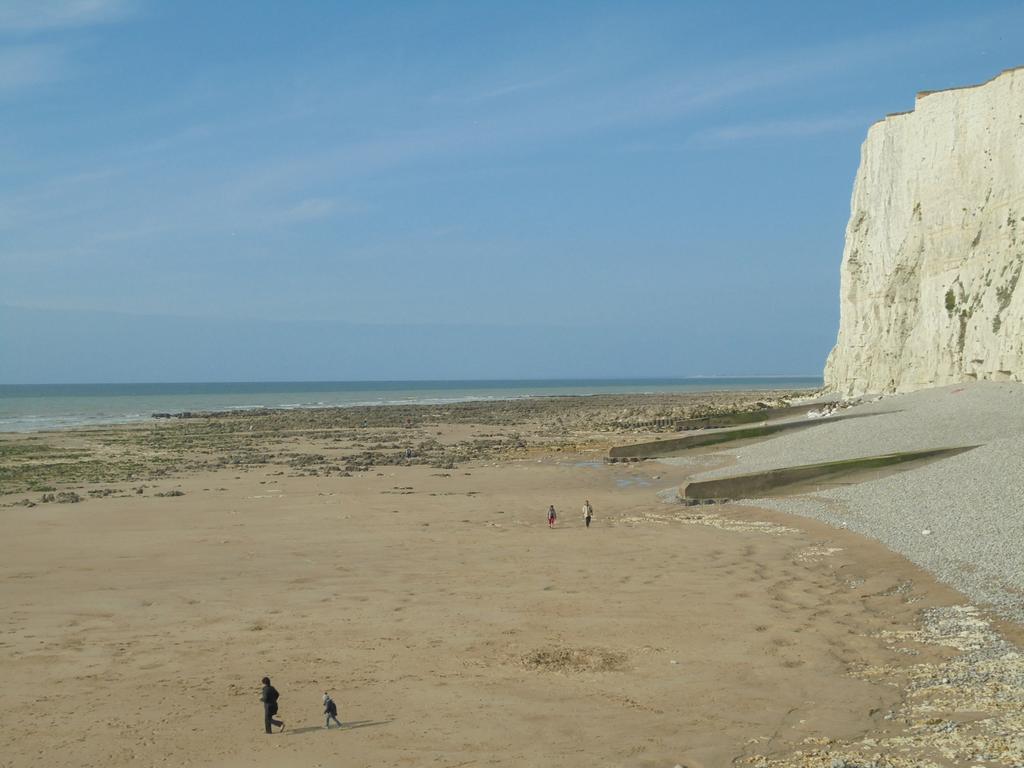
x: 935, y: 246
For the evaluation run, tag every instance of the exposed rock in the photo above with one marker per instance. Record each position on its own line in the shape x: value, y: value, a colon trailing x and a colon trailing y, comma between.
x: 574, y: 659
x: 935, y: 246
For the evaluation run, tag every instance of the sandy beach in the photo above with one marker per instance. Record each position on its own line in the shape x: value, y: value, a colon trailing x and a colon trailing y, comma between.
x: 311, y: 313
x: 401, y: 560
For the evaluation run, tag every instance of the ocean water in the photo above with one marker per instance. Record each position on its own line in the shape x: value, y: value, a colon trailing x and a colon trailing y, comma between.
x: 36, y: 407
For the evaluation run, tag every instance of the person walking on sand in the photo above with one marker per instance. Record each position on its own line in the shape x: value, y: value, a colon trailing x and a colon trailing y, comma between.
x: 588, y: 512
x: 552, y: 516
x: 269, y: 697
x: 331, y: 710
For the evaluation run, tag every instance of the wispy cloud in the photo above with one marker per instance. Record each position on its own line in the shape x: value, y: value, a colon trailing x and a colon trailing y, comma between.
x: 24, y: 66
x: 314, y: 208
x: 500, y: 89
x: 277, y: 189
x: 39, y: 15
x: 35, y: 59
x: 564, y: 114
x: 45, y: 200
x: 781, y: 129
x: 564, y: 98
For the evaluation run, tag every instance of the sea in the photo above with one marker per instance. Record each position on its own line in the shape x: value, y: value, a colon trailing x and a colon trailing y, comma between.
x: 41, y: 407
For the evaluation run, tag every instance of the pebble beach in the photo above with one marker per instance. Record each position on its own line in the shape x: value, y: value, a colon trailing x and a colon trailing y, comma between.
x: 961, y: 518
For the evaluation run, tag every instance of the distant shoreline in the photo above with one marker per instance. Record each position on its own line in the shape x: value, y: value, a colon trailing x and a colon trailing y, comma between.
x: 36, y: 408
x: 370, y: 384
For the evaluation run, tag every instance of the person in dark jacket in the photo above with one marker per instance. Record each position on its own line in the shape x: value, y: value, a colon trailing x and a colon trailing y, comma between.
x: 269, y: 697
x: 331, y: 710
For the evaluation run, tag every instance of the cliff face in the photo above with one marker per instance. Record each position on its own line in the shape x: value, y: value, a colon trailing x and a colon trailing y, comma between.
x: 935, y: 246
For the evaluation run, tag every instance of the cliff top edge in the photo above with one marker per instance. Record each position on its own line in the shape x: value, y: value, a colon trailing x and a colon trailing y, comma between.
x: 922, y: 94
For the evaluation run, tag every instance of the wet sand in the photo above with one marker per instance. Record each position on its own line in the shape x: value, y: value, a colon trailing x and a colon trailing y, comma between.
x: 452, y: 627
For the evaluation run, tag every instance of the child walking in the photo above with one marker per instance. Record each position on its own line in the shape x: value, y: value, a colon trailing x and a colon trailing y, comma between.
x: 552, y: 516
x: 331, y: 710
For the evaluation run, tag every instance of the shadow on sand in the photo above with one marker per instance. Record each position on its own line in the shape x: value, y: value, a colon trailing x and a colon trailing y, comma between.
x: 351, y: 725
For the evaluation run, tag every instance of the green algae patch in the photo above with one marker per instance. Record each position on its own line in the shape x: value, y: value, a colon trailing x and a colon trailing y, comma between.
x: 661, y: 448
x: 738, y: 418
x: 805, y: 477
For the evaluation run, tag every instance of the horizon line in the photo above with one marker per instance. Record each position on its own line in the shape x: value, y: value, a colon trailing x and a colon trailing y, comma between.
x: 565, y: 379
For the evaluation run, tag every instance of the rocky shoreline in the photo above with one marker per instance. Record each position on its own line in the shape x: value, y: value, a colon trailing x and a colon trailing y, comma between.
x: 347, y: 440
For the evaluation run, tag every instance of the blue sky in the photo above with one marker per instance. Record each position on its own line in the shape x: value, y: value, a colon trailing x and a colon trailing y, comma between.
x: 484, y: 189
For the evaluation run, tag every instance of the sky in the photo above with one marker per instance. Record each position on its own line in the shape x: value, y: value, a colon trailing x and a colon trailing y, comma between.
x: 196, y: 191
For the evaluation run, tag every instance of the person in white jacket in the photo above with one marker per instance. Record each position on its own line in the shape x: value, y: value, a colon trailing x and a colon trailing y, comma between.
x: 588, y: 512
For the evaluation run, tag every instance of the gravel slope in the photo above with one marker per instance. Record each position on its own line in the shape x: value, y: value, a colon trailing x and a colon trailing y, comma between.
x: 971, y: 504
